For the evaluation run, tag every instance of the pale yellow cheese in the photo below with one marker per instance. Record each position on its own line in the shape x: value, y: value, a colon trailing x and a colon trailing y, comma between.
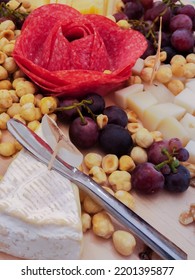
x: 191, y: 149
x: 188, y: 122
x: 186, y: 99
x: 102, y: 7
x: 191, y: 84
x: 170, y: 127
x: 38, y: 3
x: 85, y: 6
x: 138, y: 66
x: 141, y: 101
x: 121, y: 95
x: 160, y: 92
x: 156, y: 113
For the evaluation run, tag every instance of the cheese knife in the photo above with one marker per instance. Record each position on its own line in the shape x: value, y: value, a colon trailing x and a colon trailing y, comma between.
x: 43, y: 152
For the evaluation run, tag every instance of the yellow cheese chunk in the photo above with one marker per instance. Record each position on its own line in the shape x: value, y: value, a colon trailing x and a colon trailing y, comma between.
x: 186, y: 99
x: 141, y: 101
x: 191, y: 84
x: 170, y: 127
x: 188, y: 122
x: 101, y: 7
x: 160, y: 92
x: 156, y: 113
x: 191, y: 149
x: 138, y: 66
x: 121, y: 95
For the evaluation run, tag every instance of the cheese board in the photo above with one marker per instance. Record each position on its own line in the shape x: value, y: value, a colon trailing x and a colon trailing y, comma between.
x: 161, y: 210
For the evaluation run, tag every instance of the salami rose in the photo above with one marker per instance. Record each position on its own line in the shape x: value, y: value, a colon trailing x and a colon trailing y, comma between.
x: 67, y: 53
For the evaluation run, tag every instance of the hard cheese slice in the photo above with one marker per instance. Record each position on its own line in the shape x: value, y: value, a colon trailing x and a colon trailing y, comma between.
x: 39, y: 212
x: 101, y: 7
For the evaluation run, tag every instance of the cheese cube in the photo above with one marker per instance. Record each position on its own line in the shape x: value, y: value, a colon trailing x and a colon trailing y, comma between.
x: 191, y: 149
x: 138, y: 66
x: 186, y: 99
x: 188, y: 122
x: 156, y: 113
x: 191, y: 84
x: 140, y: 101
x: 160, y: 92
x: 121, y: 95
x: 170, y: 127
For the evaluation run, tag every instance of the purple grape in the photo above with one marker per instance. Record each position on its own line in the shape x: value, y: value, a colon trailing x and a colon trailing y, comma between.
x: 175, y: 144
x: 193, y: 21
x: 165, y: 170
x: 155, y: 152
x: 119, y: 16
x: 134, y: 10
x: 188, y: 10
x: 165, y: 41
x: 126, y: 1
x: 159, y: 9
x: 115, y: 139
x: 179, y: 181
x: 149, y: 51
x: 5, y: 1
x: 182, y: 40
x: 116, y: 115
x: 180, y: 21
x: 147, y: 15
x: 70, y: 114
x: 98, y: 103
x: 84, y: 136
x: 147, y: 4
x: 170, y: 53
x: 182, y: 155
x: 146, y: 179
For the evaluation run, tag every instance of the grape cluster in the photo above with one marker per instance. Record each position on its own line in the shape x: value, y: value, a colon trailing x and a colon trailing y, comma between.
x: 17, y: 14
x: 163, y: 169
x: 84, y: 131
x: 178, y: 24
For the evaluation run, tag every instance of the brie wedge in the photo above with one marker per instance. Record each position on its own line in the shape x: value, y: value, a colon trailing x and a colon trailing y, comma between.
x: 39, y: 212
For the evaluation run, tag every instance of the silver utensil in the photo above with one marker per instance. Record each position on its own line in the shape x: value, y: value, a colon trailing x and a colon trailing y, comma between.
x: 149, y: 235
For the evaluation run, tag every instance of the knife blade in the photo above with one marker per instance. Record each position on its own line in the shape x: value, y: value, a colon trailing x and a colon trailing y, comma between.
x: 149, y: 235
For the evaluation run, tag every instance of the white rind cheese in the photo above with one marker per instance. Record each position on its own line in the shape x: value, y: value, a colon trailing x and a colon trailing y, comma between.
x: 39, y: 212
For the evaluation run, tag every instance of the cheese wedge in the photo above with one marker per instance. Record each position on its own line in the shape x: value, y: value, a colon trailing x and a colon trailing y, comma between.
x: 102, y: 7
x: 37, y: 3
x: 39, y: 212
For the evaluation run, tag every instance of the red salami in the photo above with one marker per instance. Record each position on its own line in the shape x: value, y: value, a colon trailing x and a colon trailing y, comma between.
x: 66, y: 53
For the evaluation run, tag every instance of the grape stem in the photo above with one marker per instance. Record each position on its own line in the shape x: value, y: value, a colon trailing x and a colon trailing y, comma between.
x: 77, y: 106
x: 144, y: 25
x: 5, y: 11
x: 171, y: 161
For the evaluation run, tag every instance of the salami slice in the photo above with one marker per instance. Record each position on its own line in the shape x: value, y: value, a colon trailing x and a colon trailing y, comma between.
x: 66, y: 53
